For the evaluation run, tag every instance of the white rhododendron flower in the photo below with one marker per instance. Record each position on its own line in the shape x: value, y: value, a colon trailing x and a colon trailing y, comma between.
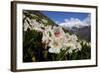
x: 59, y: 40
x: 56, y: 38
x: 85, y: 43
x: 56, y: 44
x: 54, y: 50
x: 73, y: 38
x: 34, y: 23
x: 78, y: 45
x: 69, y: 51
x: 26, y: 26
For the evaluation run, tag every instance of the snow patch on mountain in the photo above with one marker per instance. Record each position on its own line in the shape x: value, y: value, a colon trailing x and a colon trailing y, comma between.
x: 75, y: 22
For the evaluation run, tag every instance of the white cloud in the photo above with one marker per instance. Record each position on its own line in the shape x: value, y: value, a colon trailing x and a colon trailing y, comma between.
x: 87, y: 20
x: 57, y: 22
x: 75, y: 22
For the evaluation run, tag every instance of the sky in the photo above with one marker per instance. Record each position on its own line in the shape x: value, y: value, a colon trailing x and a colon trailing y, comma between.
x: 69, y: 19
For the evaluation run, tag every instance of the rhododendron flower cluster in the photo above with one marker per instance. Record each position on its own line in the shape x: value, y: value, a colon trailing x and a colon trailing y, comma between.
x: 56, y: 39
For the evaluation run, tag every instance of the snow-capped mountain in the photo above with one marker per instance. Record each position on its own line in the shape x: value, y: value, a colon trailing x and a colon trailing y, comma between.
x: 82, y: 28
